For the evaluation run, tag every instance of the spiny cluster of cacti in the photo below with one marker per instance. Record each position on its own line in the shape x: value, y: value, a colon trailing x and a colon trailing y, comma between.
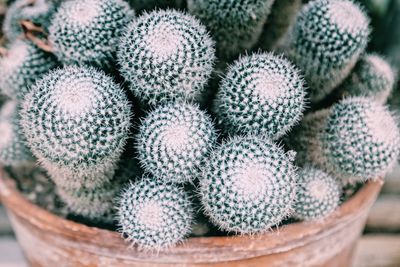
x: 182, y: 160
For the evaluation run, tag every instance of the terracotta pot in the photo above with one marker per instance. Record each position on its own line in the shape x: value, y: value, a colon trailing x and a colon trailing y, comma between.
x: 48, y: 240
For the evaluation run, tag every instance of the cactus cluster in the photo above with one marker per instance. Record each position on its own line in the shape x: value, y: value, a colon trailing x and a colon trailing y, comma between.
x: 87, y: 32
x: 261, y: 94
x: 165, y: 56
x: 174, y: 140
x: 235, y: 25
x: 22, y: 65
x: 326, y: 41
x: 249, y: 185
x: 154, y: 214
x: 318, y: 194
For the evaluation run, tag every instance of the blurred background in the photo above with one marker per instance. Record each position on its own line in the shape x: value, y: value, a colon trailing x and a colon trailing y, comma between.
x: 380, y: 244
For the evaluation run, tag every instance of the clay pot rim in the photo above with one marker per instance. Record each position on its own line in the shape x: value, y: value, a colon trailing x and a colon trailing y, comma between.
x: 284, y: 238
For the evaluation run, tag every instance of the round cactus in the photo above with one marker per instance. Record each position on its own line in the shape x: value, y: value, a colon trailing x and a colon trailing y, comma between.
x: 235, y: 25
x: 326, y: 42
x: 174, y: 140
x: 13, y: 151
x: 153, y: 214
x: 87, y: 32
x: 23, y: 64
x: 357, y: 138
x: 166, y: 55
x: 39, y: 12
x: 248, y: 185
x: 77, y: 121
x: 262, y: 94
x: 372, y: 76
x: 317, y: 196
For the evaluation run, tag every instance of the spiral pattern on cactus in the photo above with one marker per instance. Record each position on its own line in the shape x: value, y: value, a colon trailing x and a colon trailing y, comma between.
x: 153, y: 214
x: 174, y: 140
x: 166, y: 55
x: 261, y: 94
x: 248, y: 185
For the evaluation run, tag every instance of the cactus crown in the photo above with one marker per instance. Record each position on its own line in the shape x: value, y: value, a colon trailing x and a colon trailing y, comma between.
x: 326, y: 41
x: 261, y: 94
x: 248, y: 185
x: 318, y: 194
x: 154, y: 214
x: 166, y: 55
x: 87, y: 32
x: 174, y: 140
x: 21, y: 66
x: 76, y: 117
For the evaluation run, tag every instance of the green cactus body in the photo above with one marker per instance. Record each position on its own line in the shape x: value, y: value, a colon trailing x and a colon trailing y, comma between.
x: 356, y: 138
x: 166, y: 55
x: 261, y: 94
x: 87, y: 32
x: 317, y: 196
x: 39, y: 12
x: 23, y: 64
x: 77, y: 121
x: 372, y: 76
x: 326, y: 42
x: 248, y: 185
x: 153, y: 214
x: 235, y: 25
x: 13, y: 151
x: 174, y: 140
x: 148, y: 5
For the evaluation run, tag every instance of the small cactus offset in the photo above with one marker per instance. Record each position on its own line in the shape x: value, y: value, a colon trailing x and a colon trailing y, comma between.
x: 235, y: 25
x: 13, y: 151
x: 174, y: 140
x: 77, y: 121
x: 248, y: 185
x: 166, y: 55
x: 318, y: 194
x: 39, y: 12
x: 372, y: 76
x: 261, y: 94
x: 87, y: 32
x: 154, y: 214
x: 22, y: 65
x: 326, y: 41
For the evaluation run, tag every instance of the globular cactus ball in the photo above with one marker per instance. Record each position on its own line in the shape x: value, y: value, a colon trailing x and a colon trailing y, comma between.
x: 261, y: 94
x: 317, y: 196
x: 87, y: 32
x: 153, y: 214
x: 22, y: 65
x: 174, y: 140
x: 166, y: 55
x: 326, y: 41
x: 77, y: 121
x: 248, y: 185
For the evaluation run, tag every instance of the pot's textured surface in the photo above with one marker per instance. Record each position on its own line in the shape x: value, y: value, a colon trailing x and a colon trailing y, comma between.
x: 48, y: 240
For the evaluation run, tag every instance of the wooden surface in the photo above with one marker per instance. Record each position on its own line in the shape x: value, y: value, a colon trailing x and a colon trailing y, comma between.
x: 49, y: 240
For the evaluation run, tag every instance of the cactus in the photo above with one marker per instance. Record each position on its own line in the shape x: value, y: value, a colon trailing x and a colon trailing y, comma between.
x: 372, y: 76
x: 261, y: 94
x: 357, y: 138
x: 147, y: 5
x: 154, y: 214
x: 174, y: 140
x: 166, y: 55
x: 39, y: 12
x: 77, y: 121
x: 248, y: 185
x: 13, y: 151
x: 235, y: 25
x: 87, y: 32
x: 318, y: 194
x: 23, y: 64
x: 326, y: 42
